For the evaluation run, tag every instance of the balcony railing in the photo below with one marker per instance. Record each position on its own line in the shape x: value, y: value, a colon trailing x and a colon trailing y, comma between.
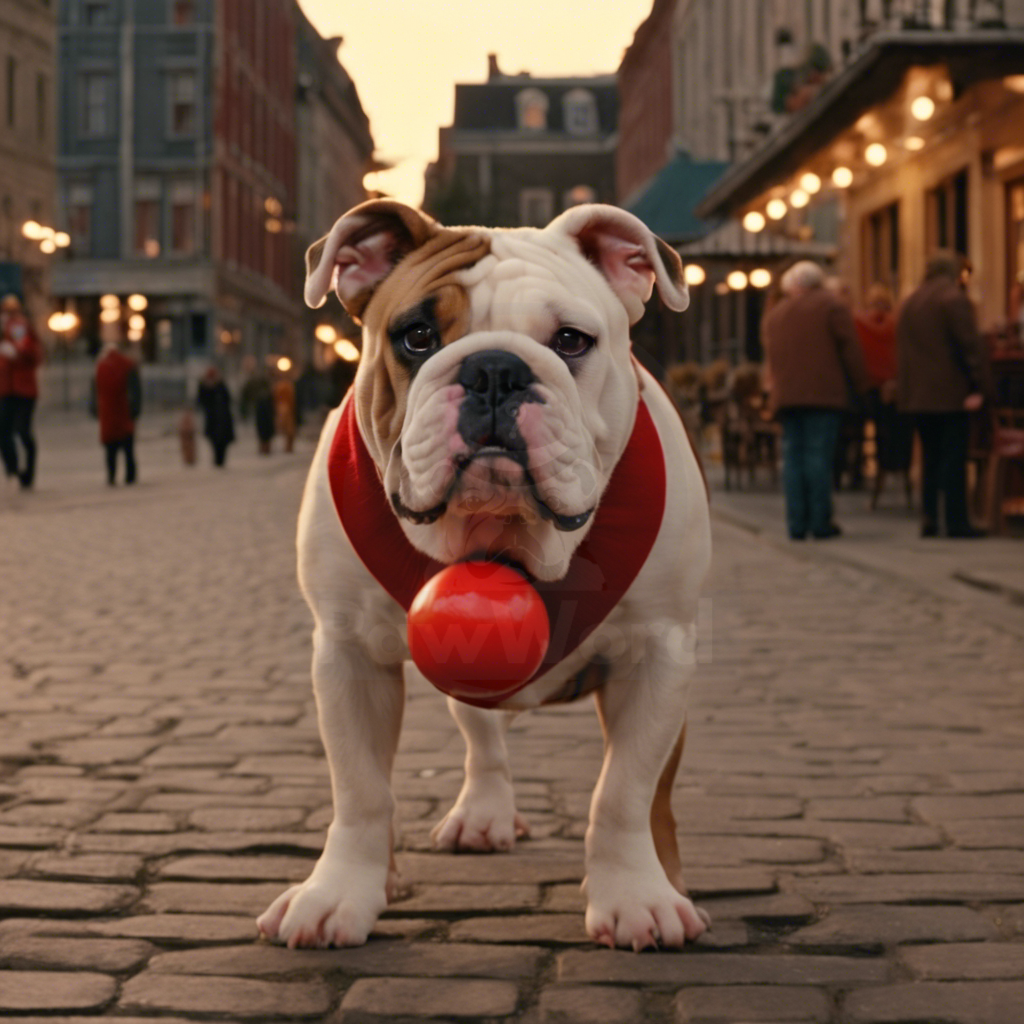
x: 931, y: 14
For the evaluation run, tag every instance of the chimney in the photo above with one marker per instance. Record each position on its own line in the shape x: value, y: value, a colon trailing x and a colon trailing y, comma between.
x: 493, y: 71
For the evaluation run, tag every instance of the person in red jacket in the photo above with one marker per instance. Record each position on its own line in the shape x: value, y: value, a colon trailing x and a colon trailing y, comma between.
x: 118, y: 401
x: 20, y: 356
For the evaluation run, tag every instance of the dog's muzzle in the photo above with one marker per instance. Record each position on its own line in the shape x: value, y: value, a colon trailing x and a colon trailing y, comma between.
x: 496, y: 384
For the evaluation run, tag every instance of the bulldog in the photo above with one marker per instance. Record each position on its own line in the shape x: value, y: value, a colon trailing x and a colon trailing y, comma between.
x: 497, y: 412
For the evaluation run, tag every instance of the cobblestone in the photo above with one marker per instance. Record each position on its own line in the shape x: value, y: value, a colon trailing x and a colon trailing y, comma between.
x: 851, y: 802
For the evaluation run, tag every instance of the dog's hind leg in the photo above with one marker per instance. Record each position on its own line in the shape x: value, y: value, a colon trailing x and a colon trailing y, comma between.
x: 484, y: 817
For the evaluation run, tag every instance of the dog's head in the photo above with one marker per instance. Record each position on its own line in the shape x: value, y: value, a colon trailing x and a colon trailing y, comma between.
x: 496, y: 389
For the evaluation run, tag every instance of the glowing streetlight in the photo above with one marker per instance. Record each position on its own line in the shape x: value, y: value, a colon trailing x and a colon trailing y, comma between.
x: 754, y: 222
x: 48, y: 245
x: 810, y: 183
x: 109, y: 302
x: 799, y: 199
x: 326, y: 333
x: 110, y: 316
x: 137, y: 322
x: 61, y: 323
x: 284, y: 364
x: 760, y: 278
x: 923, y: 108
x: 694, y: 275
x: 776, y: 209
x: 33, y: 230
x: 62, y: 239
x: 842, y: 177
x: 135, y: 334
x: 737, y: 280
x: 346, y: 350
x: 876, y: 154
x: 138, y: 302
x: 915, y: 143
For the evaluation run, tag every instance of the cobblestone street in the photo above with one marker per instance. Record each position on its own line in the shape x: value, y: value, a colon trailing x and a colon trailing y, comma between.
x: 851, y: 802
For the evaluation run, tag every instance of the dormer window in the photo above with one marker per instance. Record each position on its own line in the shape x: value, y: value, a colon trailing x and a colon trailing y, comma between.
x: 532, y: 110
x: 580, y: 111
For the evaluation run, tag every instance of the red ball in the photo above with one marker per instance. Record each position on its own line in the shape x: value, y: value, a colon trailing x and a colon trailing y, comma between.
x: 478, y: 631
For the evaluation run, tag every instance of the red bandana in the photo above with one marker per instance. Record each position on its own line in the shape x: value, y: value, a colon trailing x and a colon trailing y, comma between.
x: 604, y: 566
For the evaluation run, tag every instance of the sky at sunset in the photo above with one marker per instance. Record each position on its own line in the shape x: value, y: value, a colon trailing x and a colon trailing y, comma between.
x: 405, y: 57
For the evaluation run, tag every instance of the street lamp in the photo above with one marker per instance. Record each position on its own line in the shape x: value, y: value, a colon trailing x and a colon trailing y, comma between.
x: 346, y: 350
x: 62, y: 324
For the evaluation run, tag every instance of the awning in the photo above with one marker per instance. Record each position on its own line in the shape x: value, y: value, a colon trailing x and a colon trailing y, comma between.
x: 666, y: 205
x: 970, y: 56
x: 733, y: 241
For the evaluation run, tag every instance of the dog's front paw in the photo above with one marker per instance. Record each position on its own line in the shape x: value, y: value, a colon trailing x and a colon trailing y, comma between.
x: 484, y: 818
x: 315, y: 916
x: 639, y: 910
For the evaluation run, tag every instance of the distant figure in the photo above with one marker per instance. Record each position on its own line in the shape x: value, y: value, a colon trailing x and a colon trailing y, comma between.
x: 284, y: 410
x: 814, y: 362
x: 943, y: 375
x: 20, y: 356
x: 849, y: 457
x: 258, y: 399
x: 214, y: 400
x: 118, y: 402
x: 894, y: 433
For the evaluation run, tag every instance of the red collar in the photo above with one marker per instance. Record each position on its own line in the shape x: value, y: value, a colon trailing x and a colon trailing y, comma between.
x: 604, y: 566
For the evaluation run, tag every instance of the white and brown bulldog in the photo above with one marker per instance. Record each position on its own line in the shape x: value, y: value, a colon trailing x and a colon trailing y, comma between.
x: 498, y: 412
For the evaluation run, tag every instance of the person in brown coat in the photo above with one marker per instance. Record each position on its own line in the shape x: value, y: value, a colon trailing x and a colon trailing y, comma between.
x: 942, y: 375
x: 117, y: 397
x: 814, y: 363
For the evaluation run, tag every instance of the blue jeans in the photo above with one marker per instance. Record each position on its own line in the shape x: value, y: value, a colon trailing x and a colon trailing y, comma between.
x: 808, y: 448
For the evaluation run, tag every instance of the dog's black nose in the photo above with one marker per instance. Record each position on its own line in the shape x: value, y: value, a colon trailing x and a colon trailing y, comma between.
x: 496, y: 384
x: 494, y: 376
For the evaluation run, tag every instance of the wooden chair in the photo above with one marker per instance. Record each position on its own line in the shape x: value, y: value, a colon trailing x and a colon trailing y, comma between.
x: 1004, y: 473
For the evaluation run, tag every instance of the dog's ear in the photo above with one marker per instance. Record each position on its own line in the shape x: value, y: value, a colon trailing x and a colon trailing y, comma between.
x: 361, y: 250
x: 632, y: 258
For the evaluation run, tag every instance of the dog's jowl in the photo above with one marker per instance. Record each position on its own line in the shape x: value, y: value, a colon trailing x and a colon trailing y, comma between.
x: 498, y: 413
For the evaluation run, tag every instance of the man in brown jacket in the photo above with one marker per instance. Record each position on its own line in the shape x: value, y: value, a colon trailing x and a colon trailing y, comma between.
x: 814, y: 365
x: 943, y: 374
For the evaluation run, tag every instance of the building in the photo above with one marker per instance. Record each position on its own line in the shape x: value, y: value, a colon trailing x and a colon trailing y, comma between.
x: 27, y: 166
x: 914, y: 144
x: 335, y: 151
x: 178, y: 175
x: 521, y: 150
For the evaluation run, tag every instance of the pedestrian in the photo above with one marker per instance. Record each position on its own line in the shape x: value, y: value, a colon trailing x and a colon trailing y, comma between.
x: 284, y: 409
x: 815, y: 367
x: 258, y: 398
x: 214, y: 400
x: 894, y: 433
x: 20, y: 356
x: 117, y: 401
x: 849, y: 457
x: 943, y: 375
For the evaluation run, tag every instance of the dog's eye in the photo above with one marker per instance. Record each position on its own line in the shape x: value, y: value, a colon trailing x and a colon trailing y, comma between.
x: 420, y: 339
x: 570, y: 343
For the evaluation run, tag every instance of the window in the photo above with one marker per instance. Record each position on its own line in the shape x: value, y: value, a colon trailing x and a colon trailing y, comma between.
x: 947, y: 215
x: 882, y: 248
x: 532, y: 110
x: 183, y: 218
x: 147, y: 217
x: 79, y: 218
x: 183, y: 12
x: 181, y: 92
x: 97, y: 13
x: 12, y: 84
x: 96, y: 104
x: 580, y: 111
x: 42, y: 106
x: 536, y: 207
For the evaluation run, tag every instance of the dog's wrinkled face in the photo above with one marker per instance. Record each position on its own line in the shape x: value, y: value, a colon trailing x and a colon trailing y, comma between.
x: 496, y: 389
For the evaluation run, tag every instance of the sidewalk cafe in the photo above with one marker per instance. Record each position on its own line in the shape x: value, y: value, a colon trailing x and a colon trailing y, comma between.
x: 917, y: 145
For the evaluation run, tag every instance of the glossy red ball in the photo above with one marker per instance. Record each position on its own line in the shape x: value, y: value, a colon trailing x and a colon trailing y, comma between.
x: 478, y: 630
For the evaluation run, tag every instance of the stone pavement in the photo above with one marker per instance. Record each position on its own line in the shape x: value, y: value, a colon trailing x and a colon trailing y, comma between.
x: 851, y: 801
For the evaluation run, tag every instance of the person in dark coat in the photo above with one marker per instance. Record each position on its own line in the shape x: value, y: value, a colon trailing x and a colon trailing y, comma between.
x: 214, y: 400
x: 20, y: 356
x: 814, y: 367
x: 117, y: 398
x: 943, y: 375
x: 258, y: 397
